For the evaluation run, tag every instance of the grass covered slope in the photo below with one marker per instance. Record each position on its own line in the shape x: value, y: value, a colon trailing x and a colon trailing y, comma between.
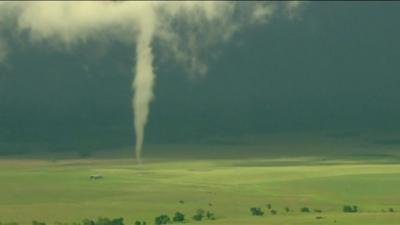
x: 227, y: 179
x: 62, y: 191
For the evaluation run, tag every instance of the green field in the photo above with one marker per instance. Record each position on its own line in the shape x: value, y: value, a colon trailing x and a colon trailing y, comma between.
x: 55, y: 188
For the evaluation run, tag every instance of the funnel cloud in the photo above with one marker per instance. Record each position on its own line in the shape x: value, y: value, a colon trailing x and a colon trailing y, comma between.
x: 144, y: 80
x: 185, y: 32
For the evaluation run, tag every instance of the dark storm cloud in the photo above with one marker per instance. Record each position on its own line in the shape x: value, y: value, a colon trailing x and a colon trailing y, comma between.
x: 334, y: 67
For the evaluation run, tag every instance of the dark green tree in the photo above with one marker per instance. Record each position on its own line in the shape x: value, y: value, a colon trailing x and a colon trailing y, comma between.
x: 305, y: 210
x: 350, y: 209
x: 199, y: 215
x: 210, y: 215
x: 256, y: 211
x: 162, y: 219
x: 137, y: 222
x: 178, y: 217
x: 117, y: 221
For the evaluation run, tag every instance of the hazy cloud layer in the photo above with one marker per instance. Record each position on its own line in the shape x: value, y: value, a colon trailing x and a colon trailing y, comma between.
x: 185, y: 30
x: 3, y: 50
x: 188, y: 32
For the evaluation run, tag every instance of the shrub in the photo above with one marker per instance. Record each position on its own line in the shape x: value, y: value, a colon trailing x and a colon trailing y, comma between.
x: 179, y: 217
x: 256, y: 211
x: 273, y: 212
x: 319, y: 217
x: 391, y: 210
x: 317, y: 210
x: 140, y: 223
x: 305, y: 210
x: 162, y: 219
x: 199, y: 215
x: 347, y: 208
x: 350, y: 209
x: 99, y: 221
x: 117, y: 221
x: 269, y: 206
x: 210, y: 215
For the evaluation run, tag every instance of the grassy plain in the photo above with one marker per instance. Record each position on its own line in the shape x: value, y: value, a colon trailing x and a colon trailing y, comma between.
x: 227, y: 179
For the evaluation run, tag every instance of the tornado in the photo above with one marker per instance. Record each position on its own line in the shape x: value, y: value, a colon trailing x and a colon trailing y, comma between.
x: 186, y: 30
x: 143, y: 80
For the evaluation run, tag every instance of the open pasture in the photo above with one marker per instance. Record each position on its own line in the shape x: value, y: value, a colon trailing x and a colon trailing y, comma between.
x: 61, y: 190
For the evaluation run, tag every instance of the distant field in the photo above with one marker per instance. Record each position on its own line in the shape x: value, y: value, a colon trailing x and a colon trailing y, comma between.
x: 56, y: 189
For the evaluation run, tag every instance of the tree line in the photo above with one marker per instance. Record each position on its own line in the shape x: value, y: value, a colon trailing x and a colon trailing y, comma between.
x: 199, y: 215
x: 178, y: 217
x: 258, y: 211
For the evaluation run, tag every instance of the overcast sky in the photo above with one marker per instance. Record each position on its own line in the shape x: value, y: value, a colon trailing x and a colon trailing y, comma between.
x: 260, y: 68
